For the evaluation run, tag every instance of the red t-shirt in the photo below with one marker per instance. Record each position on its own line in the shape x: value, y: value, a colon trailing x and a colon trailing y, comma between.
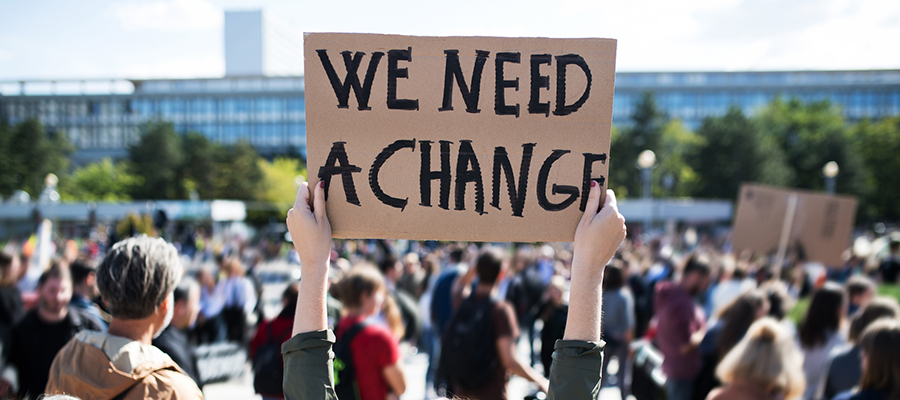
x: 373, y: 348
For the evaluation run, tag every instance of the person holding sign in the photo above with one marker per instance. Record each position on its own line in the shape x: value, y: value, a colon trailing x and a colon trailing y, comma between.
x: 575, y: 374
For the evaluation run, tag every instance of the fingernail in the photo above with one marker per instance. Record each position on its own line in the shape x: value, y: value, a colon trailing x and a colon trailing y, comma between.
x: 593, y: 183
x: 321, y: 184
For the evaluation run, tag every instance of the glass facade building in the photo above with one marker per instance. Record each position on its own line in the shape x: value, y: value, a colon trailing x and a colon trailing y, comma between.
x: 102, y: 117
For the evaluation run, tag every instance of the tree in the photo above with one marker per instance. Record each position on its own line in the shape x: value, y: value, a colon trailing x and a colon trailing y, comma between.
x: 198, y: 169
x: 7, y: 164
x: 643, y: 133
x: 101, y: 181
x: 279, y: 174
x: 734, y: 151
x: 879, y: 145
x: 31, y: 154
x: 811, y: 135
x: 676, y: 147
x: 238, y: 175
x: 156, y: 160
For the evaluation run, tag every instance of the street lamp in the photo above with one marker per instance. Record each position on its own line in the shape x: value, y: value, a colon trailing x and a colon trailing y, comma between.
x: 646, y: 160
x: 830, y: 171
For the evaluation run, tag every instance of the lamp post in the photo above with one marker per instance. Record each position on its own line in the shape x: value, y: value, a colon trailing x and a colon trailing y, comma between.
x: 646, y: 160
x: 830, y: 171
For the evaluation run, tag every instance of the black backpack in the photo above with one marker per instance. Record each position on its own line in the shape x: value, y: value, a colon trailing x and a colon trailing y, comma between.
x: 468, y: 345
x: 268, y: 368
x: 345, y: 385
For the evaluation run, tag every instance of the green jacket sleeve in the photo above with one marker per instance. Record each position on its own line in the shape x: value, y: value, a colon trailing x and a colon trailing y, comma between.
x: 308, y: 373
x: 575, y: 372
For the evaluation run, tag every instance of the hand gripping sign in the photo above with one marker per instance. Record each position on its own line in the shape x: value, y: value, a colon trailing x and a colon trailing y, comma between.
x: 457, y: 138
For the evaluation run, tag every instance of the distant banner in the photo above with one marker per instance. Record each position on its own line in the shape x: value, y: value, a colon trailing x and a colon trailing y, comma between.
x: 819, y: 230
x: 457, y: 138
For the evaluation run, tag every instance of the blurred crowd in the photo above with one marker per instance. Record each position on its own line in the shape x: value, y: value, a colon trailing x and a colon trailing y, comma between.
x: 728, y: 326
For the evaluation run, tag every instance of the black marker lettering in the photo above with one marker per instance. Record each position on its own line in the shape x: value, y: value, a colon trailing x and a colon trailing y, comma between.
x: 589, y: 160
x: 464, y: 175
x: 393, y: 73
x: 453, y: 69
x: 539, y: 81
x: 572, y: 191
x: 561, y: 63
x: 342, y: 90
x: 500, y: 107
x: 426, y: 175
x: 376, y: 168
x: 516, y: 197
x: 339, y: 156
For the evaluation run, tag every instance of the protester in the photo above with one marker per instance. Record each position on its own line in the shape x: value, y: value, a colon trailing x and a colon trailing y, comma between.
x: 554, y: 314
x: 764, y: 365
x: 273, y: 332
x: 413, y: 278
x: 845, y: 364
x: 374, y: 349
x: 881, y: 372
x: 819, y: 334
x: 679, y: 320
x: 174, y: 339
x: 403, y: 302
x: 307, y: 354
x: 136, y: 279
x: 84, y: 290
x: 618, y: 324
x: 43, y: 331
x: 11, y: 308
x: 890, y: 266
x: 210, y: 322
x: 860, y: 291
x: 240, y: 300
x: 733, y: 322
x: 480, y: 366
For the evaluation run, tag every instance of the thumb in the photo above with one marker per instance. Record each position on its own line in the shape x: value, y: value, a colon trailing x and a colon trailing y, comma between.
x: 593, y: 203
x: 319, y: 201
x: 302, y: 201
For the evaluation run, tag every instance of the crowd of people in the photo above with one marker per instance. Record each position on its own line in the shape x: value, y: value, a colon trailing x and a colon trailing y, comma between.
x: 722, y: 321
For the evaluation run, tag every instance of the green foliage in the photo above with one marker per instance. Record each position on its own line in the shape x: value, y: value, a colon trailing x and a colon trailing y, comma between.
x: 29, y: 154
x: 676, y: 146
x: 733, y: 151
x: 156, y: 160
x: 879, y: 146
x: 199, y: 167
x: 135, y: 225
x: 280, y: 180
x: 238, y: 175
x: 811, y: 135
x: 101, y: 181
x: 644, y: 133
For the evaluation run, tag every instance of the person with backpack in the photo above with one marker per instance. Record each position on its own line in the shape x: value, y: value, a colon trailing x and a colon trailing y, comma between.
x: 367, y: 353
x: 265, y: 347
x: 575, y: 373
x: 479, y: 343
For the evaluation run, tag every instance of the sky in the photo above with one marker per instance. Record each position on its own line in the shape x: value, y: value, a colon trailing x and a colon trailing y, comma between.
x: 56, y: 39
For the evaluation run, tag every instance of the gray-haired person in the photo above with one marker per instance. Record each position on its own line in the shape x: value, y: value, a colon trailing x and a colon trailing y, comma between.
x: 136, y: 279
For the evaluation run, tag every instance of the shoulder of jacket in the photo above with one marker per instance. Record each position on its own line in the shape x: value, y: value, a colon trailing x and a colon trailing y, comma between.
x: 170, y: 383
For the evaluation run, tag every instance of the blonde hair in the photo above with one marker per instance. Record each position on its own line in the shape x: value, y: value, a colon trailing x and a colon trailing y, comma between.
x: 766, y: 356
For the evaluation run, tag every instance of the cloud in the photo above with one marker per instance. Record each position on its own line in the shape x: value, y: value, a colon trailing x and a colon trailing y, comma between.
x: 170, y: 15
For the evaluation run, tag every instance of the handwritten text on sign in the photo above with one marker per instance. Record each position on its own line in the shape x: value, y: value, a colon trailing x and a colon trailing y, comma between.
x: 411, y: 144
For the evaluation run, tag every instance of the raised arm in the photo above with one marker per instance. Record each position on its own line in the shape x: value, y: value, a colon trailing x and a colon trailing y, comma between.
x: 311, y: 234
x: 577, y: 359
x: 308, y: 365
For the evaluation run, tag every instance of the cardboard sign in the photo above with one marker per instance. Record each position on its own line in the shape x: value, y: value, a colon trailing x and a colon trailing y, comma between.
x: 820, y: 228
x: 457, y: 138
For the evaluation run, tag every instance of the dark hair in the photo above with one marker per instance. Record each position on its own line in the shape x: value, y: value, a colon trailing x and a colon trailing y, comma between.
x: 881, y: 345
x: 613, y: 278
x: 488, y: 266
x: 183, y: 290
x: 290, y: 299
x: 895, y: 245
x: 879, y: 307
x: 6, y: 259
x: 456, y: 255
x: 57, y: 270
x: 389, y: 262
x: 780, y: 301
x: 736, y: 318
x: 859, y: 285
x: 80, y: 270
x: 823, y: 317
x: 695, y: 265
